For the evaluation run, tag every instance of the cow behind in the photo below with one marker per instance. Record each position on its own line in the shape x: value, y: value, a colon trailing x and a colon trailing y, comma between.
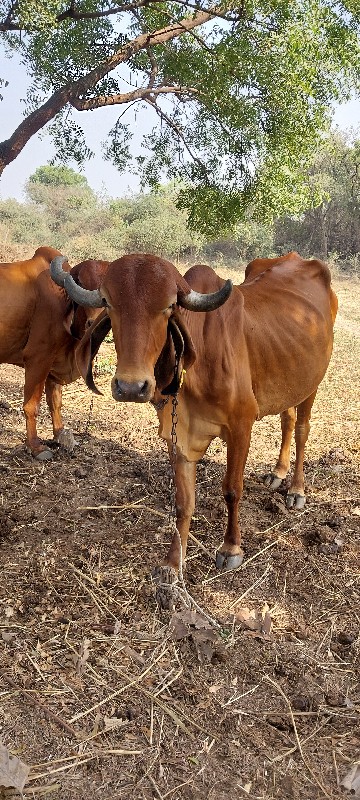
x: 39, y: 330
x: 263, y: 351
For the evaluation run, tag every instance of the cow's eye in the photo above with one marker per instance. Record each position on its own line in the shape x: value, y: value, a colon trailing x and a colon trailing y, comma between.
x: 169, y: 309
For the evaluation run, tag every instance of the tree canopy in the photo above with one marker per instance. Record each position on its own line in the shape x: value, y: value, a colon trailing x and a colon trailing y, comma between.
x: 58, y: 176
x: 65, y: 213
x: 239, y: 92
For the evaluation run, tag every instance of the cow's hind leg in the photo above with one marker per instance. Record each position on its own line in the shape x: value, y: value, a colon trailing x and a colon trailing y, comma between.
x: 296, y: 494
x: 230, y: 554
x: 274, y: 479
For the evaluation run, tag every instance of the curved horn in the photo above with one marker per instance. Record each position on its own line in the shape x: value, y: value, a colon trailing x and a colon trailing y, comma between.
x: 196, y: 301
x: 83, y: 297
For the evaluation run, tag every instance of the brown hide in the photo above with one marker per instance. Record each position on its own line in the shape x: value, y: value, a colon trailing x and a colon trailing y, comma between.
x: 21, y: 288
x: 261, y: 264
x: 264, y: 351
x: 35, y: 333
x: 270, y: 343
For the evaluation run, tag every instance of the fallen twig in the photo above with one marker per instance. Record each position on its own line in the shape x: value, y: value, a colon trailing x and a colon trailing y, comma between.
x: 307, y: 765
x: 38, y: 704
x: 253, y: 585
x: 118, y: 691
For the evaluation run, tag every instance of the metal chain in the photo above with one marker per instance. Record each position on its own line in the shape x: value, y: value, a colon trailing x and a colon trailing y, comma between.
x: 173, y: 455
x: 172, y: 478
x: 175, y: 589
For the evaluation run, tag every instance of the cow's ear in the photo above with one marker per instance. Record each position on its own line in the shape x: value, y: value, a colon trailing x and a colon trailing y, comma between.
x: 177, y: 354
x: 164, y: 367
x: 189, y: 354
x: 89, y: 346
x: 68, y: 320
x: 75, y: 320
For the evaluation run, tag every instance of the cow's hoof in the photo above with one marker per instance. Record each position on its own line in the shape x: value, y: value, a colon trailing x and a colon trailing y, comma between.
x: 52, y: 444
x: 272, y: 481
x: 66, y: 439
x: 296, y: 501
x: 165, y: 580
x: 44, y: 455
x: 227, y: 561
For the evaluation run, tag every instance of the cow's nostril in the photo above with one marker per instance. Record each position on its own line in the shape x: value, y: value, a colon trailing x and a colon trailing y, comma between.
x: 144, y: 388
x: 131, y: 391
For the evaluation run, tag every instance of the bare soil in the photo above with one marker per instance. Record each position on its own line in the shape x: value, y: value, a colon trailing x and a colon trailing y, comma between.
x: 103, y: 694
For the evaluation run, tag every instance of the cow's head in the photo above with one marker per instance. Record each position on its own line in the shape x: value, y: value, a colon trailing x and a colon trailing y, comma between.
x: 140, y: 295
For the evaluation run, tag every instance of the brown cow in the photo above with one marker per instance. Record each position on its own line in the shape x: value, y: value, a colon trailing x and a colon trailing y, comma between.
x: 39, y: 330
x: 264, y: 352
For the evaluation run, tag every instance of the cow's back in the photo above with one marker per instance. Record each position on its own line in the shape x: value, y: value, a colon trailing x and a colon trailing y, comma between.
x: 259, y: 265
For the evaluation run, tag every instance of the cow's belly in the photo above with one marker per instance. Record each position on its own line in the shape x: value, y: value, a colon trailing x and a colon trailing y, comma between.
x: 14, y: 329
x: 289, y: 386
x: 11, y: 348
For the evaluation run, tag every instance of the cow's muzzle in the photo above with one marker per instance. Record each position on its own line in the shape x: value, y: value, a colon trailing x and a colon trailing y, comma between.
x: 136, y: 392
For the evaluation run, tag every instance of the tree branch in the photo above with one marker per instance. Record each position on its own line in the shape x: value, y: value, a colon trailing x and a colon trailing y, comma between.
x: 154, y: 68
x: 142, y: 93
x: 71, y: 13
x: 74, y: 92
x: 179, y: 132
x: 8, y: 20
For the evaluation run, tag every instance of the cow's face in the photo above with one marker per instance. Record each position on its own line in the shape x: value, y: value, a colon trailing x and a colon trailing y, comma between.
x: 140, y: 299
x: 140, y: 293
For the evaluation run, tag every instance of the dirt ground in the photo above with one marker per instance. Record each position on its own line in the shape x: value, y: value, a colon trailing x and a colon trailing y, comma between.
x: 103, y: 694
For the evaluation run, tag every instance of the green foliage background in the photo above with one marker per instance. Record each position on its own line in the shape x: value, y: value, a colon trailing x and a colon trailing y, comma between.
x: 61, y: 210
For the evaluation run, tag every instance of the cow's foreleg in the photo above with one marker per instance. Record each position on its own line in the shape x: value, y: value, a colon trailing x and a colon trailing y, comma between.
x: 275, y: 478
x: 230, y: 554
x: 185, y: 503
x: 32, y: 399
x: 296, y: 494
x: 63, y: 436
x: 53, y: 392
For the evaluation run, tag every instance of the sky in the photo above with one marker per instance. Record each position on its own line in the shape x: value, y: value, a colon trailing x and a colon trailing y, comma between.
x: 102, y: 177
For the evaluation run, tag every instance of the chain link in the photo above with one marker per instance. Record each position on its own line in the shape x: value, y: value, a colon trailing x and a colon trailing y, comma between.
x: 173, y: 454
